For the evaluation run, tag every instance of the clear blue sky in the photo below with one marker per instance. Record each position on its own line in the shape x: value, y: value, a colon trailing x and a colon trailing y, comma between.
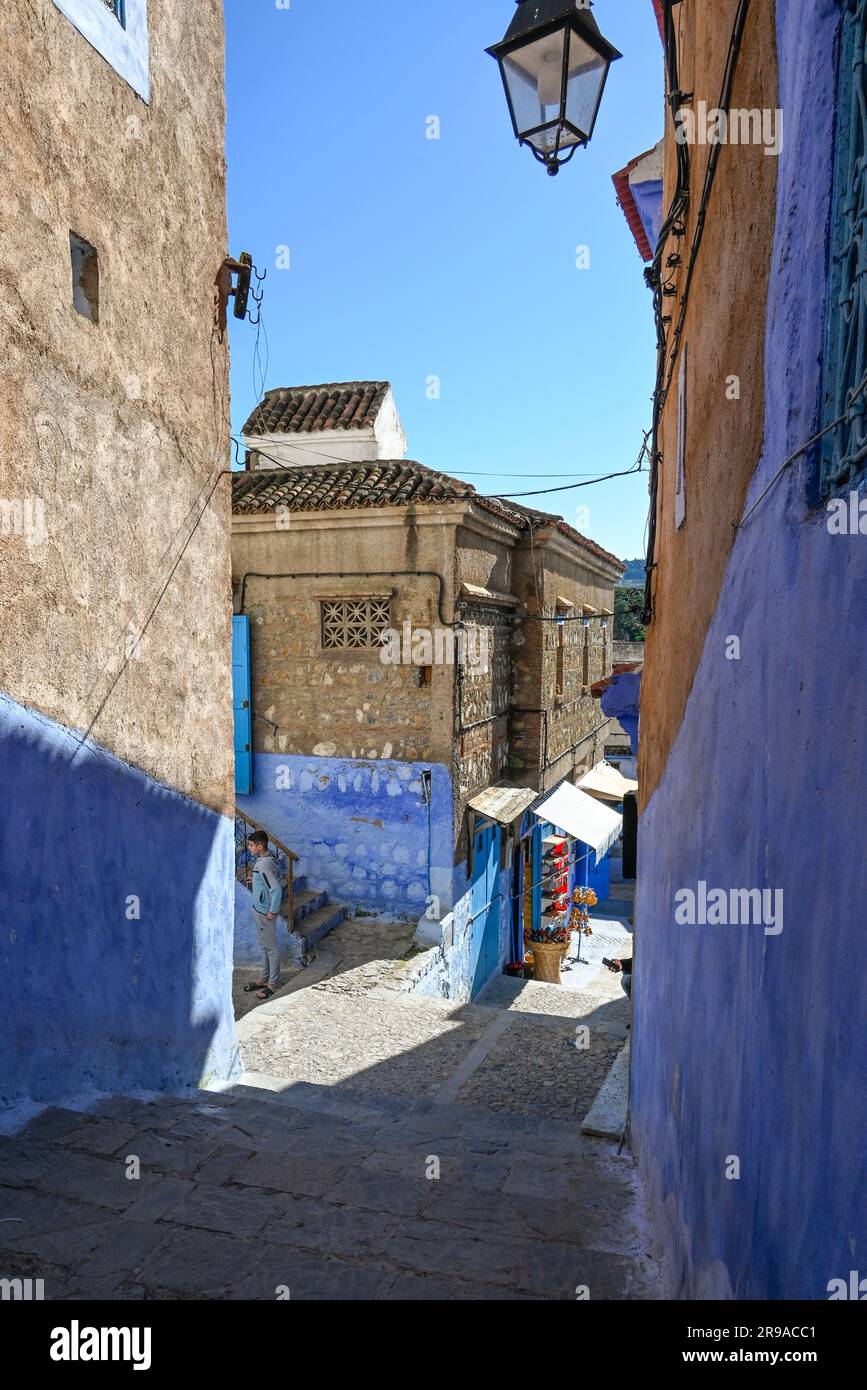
x: 457, y: 258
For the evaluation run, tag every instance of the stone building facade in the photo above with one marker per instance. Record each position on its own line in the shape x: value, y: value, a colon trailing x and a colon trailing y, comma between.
x: 113, y: 436
x: 366, y: 755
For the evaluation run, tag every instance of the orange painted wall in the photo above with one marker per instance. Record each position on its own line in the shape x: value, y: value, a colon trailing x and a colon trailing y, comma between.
x: 725, y: 336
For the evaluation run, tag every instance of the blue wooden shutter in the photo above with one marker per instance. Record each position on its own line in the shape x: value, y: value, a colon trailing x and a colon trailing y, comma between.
x: 241, y: 697
x: 844, y: 448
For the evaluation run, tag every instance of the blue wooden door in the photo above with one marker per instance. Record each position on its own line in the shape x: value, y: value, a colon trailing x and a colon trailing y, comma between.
x: 241, y: 698
x: 485, y: 899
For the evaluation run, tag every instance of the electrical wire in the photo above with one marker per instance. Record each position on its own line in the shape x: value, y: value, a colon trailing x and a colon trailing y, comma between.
x: 475, y: 473
x: 802, y: 449
x: 468, y: 472
x: 153, y: 610
x: 667, y: 359
x: 221, y: 417
x: 637, y: 467
x: 569, y: 487
x: 223, y: 436
x: 260, y: 366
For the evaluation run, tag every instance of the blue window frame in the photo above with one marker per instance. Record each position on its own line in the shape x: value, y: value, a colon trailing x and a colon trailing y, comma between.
x: 844, y: 449
x: 242, y: 700
x: 118, y: 10
x: 118, y: 30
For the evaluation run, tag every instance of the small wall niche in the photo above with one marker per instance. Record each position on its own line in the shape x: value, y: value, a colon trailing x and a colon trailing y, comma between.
x: 85, y: 277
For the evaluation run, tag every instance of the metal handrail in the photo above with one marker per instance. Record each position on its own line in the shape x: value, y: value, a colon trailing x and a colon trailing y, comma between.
x: 248, y: 820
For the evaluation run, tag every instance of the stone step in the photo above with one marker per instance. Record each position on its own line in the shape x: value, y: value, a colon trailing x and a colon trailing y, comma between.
x: 215, y: 1140
x: 317, y: 924
x: 337, y: 1192
x: 241, y: 1143
x: 305, y: 903
x: 411, y: 1120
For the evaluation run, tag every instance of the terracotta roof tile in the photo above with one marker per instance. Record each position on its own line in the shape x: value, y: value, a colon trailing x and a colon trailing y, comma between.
x: 383, y: 483
x: 339, y: 486
x: 343, y: 405
x: 626, y: 199
x: 657, y: 6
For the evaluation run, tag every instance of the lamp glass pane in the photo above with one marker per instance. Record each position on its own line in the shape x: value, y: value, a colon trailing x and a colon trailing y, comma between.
x: 586, y: 76
x: 534, y: 76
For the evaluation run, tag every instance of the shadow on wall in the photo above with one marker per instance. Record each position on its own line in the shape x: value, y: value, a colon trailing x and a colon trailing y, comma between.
x: 115, y: 923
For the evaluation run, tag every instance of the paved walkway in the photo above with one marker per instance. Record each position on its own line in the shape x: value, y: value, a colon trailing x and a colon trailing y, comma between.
x: 356, y: 955
x: 381, y: 1147
x: 514, y: 1049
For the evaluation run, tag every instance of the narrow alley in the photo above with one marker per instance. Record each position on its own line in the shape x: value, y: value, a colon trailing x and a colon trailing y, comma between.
x: 378, y: 1145
x: 433, y: 510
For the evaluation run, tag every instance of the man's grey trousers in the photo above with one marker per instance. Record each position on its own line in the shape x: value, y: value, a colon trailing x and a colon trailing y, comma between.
x: 270, y: 949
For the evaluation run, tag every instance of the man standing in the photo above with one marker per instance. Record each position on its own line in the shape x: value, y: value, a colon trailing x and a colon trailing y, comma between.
x: 267, y: 897
x: 623, y: 967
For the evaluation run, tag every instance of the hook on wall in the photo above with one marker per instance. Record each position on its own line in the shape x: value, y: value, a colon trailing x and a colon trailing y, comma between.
x: 257, y: 298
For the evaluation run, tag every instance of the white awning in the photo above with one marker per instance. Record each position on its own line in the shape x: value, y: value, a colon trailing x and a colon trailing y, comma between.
x: 504, y: 805
x: 575, y: 813
x: 606, y: 782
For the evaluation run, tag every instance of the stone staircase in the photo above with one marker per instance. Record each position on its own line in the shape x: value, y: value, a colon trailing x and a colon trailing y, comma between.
x: 317, y: 1192
x: 314, y: 915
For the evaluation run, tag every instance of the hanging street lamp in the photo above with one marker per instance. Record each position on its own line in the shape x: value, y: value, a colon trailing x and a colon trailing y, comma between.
x: 554, y: 63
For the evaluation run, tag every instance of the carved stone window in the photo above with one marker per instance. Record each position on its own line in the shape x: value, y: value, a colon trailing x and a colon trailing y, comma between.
x: 844, y: 449
x: 354, y: 623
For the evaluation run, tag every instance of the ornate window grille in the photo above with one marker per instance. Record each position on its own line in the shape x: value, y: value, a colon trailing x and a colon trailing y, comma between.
x: 354, y: 622
x: 844, y: 451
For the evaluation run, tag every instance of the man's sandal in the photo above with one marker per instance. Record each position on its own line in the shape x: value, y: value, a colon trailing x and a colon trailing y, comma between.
x: 265, y: 993
x: 259, y: 984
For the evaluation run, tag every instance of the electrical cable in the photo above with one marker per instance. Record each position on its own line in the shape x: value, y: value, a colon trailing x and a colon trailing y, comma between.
x: 666, y: 360
x: 151, y: 615
x: 461, y: 497
x: 355, y: 574
x: 221, y: 418
x: 841, y: 420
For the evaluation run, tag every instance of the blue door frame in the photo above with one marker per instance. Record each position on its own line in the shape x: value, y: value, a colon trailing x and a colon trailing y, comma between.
x: 241, y: 701
x: 485, y: 907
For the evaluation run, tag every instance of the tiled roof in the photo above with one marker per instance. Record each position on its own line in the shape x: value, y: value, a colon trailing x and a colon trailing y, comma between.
x: 325, y: 487
x: 626, y: 199
x: 657, y: 5
x: 342, y: 405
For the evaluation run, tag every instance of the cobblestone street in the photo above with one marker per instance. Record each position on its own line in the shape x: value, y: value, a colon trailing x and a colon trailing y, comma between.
x: 379, y: 1147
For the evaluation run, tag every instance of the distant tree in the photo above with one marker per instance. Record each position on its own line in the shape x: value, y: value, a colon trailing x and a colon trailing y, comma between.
x: 634, y: 574
x: 628, y: 606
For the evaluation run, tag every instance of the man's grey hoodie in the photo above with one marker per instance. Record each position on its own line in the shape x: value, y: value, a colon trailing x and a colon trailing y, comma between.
x: 267, y: 885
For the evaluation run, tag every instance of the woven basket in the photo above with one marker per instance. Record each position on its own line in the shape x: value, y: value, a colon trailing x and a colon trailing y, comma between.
x: 546, y: 962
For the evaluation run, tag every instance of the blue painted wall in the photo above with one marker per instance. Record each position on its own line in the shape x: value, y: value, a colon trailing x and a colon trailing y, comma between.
x: 599, y: 876
x: 621, y: 701
x: 648, y: 200
x: 458, y: 969
x: 91, y: 999
x: 747, y: 1044
x: 359, y: 827
x: 247, y: 950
